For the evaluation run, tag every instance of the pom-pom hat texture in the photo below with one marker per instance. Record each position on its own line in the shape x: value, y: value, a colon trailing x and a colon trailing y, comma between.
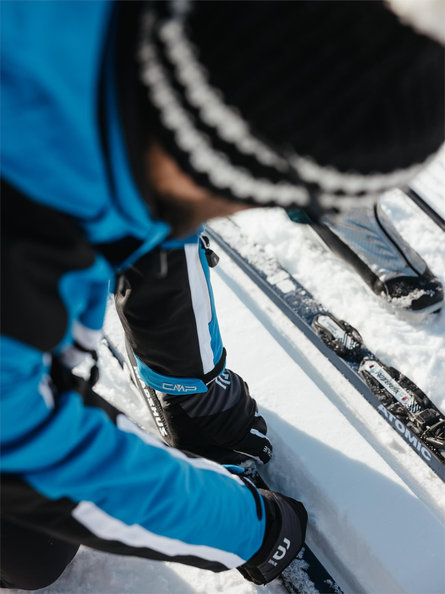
x: 295, y: 104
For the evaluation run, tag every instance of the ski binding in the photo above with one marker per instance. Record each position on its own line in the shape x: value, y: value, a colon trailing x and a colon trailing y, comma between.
x: 405, y: 406
x: 338, y: 335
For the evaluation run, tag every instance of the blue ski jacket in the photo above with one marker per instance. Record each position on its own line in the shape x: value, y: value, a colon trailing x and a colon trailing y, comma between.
x: 70, y: 203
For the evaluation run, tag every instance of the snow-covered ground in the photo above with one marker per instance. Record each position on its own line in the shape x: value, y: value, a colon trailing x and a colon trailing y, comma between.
x: 377, y: 513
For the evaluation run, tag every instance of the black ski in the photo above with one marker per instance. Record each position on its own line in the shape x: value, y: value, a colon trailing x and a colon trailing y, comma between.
x: 410, y: 412
x: 306, y: 573
x: 415, y: 196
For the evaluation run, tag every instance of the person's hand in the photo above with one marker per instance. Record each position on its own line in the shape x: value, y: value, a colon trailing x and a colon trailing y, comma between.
x: 222, y: 424
x: 286, y: 521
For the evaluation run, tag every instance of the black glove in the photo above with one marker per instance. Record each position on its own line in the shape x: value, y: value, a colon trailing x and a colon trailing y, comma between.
x: 286, y: 521
x: 223, y: 424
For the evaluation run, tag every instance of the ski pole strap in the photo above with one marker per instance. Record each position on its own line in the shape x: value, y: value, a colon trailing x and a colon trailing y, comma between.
x: 64, y: 379
x: 94, y: 371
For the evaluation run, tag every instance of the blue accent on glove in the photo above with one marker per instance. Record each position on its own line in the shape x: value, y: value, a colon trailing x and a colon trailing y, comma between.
x: 235, y: 469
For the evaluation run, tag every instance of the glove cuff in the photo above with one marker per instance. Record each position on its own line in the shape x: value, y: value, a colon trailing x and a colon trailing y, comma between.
x: 286, y: 521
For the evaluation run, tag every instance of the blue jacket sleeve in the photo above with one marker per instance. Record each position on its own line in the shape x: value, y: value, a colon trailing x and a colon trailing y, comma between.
x: 111, y: 485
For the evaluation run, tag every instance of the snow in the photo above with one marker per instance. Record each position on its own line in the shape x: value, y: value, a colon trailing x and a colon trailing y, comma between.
x: 377, y: 512
x: 93, y: 572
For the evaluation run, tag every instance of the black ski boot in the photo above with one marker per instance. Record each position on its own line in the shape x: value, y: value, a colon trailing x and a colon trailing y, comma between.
x: 368, y: 241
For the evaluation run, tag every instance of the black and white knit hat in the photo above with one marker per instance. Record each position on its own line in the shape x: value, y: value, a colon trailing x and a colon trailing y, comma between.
x: 303, y: 103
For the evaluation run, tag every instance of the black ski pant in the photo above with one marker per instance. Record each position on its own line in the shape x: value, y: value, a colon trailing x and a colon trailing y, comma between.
x: 31, y: 560
x: 166, y: 306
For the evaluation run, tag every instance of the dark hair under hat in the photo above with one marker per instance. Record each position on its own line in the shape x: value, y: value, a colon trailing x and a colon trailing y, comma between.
x: 306, y: 104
